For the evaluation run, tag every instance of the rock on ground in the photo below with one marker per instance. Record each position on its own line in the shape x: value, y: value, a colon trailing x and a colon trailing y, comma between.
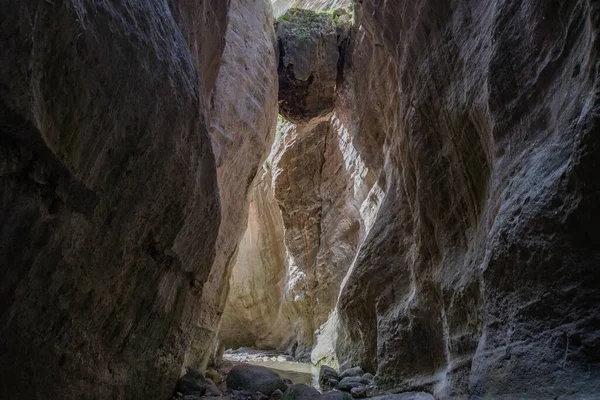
x: 406, y: 396
x: 192, y: 383
x: 352, y: 372
x: 254, y: 378
x: 327, y: 375
x: 349, y: 382
x: 301, y: 392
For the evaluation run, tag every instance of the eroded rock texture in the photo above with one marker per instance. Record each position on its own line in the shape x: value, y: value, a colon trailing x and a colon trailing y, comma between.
x: 109, y: 201
x: 309, y: 214
x: 243, y: 115
x: 479, y: 275
x: 256, y: 314
x: 311, y: 56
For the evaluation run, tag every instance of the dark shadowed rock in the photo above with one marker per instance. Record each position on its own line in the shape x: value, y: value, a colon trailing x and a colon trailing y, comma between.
x: 352, y: 372
x: 192, y: 383
x: 350, y: 382
x: 212, y: 389
x: 301, y: 392
x: 277, y: 395
x: 335, y: 395
x: 254, y: 378
x: 309, y: 51
x: 109, y: 201
x: 358, y: 392
x: 327, y: 374
x: 406, y: 396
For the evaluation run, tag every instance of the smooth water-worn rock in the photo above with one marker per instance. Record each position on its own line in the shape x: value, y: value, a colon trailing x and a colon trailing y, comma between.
x: 346, y: 384
x: 108, y: 199
x: 254, y: 378
x: 406, y: 396
x: 335, y: 395
x: 243, y: 114
x: 314, y: 194
x: 358, y: 392
x: 478, y: 276
x: 354, y: 371
x: 301, y: 392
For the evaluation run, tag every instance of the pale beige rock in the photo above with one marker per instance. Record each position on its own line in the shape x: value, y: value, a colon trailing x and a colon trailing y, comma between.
x: 242, y: 125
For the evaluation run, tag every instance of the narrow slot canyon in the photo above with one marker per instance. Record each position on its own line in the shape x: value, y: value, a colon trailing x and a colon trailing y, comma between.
x: 299, y: 199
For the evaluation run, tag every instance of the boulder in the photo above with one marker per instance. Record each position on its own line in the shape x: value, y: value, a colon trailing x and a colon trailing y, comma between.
x: 358, y: 392
x: 277, y: 395
x: 301, y: 392
x: 405, y: 396
x: 335, y: 395
x: 346, y: 384
x: 352, y: 372
x: 368, y: 376
x: 192, y: 383
x: 255, y: 378
x: 327, y: 375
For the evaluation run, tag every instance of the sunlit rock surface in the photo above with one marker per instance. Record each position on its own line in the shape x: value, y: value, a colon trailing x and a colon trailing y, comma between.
x: 479, y: 274
x: 243, y: 115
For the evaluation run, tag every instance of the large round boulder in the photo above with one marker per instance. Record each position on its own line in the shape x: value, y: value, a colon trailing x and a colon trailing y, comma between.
x: 254, y: 378
x: 301, y: 392
x: 346, y: 384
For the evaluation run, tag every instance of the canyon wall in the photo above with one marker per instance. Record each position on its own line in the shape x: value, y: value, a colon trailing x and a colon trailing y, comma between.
x: 472, y: 272
x: 243, y: 115
x: 478, y: 276
x: 110, y: 206
x: 284, y: 289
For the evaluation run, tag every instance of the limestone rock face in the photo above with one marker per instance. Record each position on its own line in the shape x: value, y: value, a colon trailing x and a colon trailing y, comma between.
x: 243, y: 115
x: 478, y: 276
x: 109, y: 202
x: 311, y: 47
x: 255, y: 314
x: 306, y: 220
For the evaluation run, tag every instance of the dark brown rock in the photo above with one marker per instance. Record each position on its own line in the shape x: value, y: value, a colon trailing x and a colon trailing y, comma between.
x: 254, y: 378
x: 109, y: 202
x: 301, y: 392
x: 310, y: 48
